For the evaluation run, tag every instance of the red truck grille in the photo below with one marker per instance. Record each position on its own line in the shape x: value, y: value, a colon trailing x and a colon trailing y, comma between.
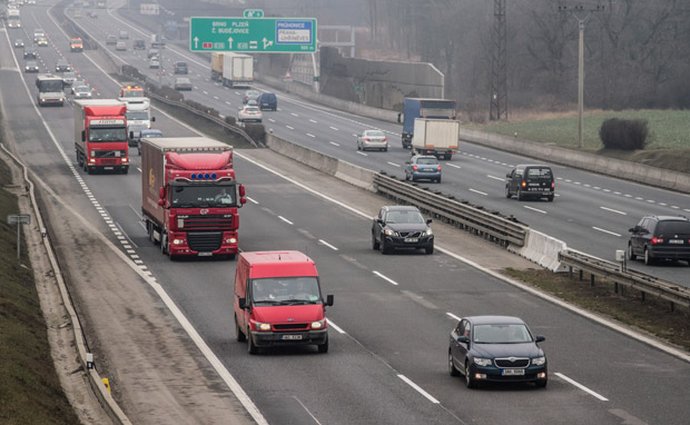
x: 207, y: 222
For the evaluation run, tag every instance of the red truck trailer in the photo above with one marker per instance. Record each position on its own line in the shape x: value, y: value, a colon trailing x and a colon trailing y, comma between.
x: 100, y: 134
x: 190, y: 197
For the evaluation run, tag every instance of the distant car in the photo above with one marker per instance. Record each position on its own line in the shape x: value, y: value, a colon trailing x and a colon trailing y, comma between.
x: 121, y: 46
x: 139, y: 45
x: 42, y: 42
x: 152, y: 52
x: 154, y: 63
x: 82, y: 92
x: 183, y: 83
x: 268, y: 101
x: 110, y: 40
x: 30, y: 54
x: 19, y: 43
x: 250, y: 95
x: 496, y: 349
x: 249, y: 114
x: 147, y: 133
x: 77, y: 83
x: 401, y: 226
x: 31, y: 66
x: 531, y: 180
x: 38, y: 33
x: 372, y: 139
x: 69, y: 78
x: 180, y: 68
x: 62, y: 66
x: 76, y: 44
x: 660, y: 238
x: 423, y: 167
x: 91, y: 14
x: 124, y: 35
x: 77, y: 13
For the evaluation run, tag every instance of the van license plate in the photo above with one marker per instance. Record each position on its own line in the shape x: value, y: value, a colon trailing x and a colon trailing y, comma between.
x: 676, y: 241
x: 513, y: 372
x: 412, y: 240
x: 292, y: 337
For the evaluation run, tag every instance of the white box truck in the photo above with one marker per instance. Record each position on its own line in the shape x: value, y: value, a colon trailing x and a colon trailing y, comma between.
x: 438, y: 137
x: 238, y: 70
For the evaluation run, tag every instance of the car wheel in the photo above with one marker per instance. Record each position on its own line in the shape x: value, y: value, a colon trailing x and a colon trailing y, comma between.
x: 438, y: 180
x: 541, y: 383
x: 374, y: 242
x: 508, y: 195
x: 241, y: 337
x: 407, y: 177
x: 359, y: 148
x: 429, y: 250
x: 631, y: 253
x: 385, y: 149
x: 550, y: 198
x: 323, y: 348
x: 520, y: 196
x: 648, y: 260
x: 251, y: 348
x: 469, y: 382
x: 384, y: 249
x: 452, y: 370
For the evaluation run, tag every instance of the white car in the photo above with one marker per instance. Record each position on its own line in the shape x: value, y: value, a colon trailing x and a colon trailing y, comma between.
x: 154, y: 63
x: 82, y: 92
x: 121, y: 46
x: 249, y: 114
x: 69, y: 77
x: 372, y: 139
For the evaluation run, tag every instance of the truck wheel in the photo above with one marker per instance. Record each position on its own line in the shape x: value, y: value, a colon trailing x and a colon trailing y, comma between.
x: 251, y: 348
x: 125, y: 169
x: 323, y: 348
x: 164, y: 244
x: 448, y: 156
x: 241, y: 337
x: 80, y: 160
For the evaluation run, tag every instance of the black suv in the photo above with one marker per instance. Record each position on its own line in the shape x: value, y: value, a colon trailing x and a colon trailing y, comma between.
x: 531, y: 180
x: 181, y: 68
x: 401, y: 227
x: 660, y: 237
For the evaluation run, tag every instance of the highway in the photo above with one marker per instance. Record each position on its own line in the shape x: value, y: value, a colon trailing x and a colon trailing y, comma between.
x: 591, y: 213
x: 387, y: 363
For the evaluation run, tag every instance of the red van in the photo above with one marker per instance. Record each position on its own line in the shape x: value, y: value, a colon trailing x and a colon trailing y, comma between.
x: 278, y: 301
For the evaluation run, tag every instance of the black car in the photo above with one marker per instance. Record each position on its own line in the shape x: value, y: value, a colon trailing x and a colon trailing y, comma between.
x: 496, y: 349
x: 31, y: 66
x: 660, y: 237
x: 401, y: 226
x: 62, y: 66
x: 181, y: 68
x: 139, y: 45
x: 30, y: 54
x: 268, y: 101
x: 531, y: 181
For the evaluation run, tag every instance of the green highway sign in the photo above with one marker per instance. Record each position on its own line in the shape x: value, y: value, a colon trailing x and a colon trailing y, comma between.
x: 253, y: 13
x: 252, y: 35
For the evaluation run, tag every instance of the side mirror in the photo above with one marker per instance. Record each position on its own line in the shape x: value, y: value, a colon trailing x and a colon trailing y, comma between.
x: 463, y: 339
x: 329, y: 300
x: 380, y: 221
x: 428, y: 221
x: 632, y: 229
x: 243, y: 200
x: 508, y: 176
x: 161, y: 202
x: 83, y: 135
x: 153, y: 119
x: 243, y: 191
x: 161, y: 193
x: 540, y: 338
x: 242, y: 303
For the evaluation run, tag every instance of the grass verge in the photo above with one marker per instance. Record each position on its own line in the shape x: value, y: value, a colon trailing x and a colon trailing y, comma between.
x: 30, y: 391
x: 652, y: 316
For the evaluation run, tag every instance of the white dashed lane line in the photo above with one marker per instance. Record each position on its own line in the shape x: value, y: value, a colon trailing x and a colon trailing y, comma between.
x: 580, y: 386
x: 252, y: 200
x: 313, y: 121
x: 495, y: 178
x: 338, y: 329
x: 452, y: 316
x: 479, y: 192
x: 613, y: 211
x: 361, y: 153
x: 386, y: 278
x: 334, y: 143
x: 452, y: 165
x: 323, y: 242
x: 311, y: 135
x: 271, y: 120
x: 534, y: 209
x: 608, y: 232
x: 285, y: 220
x: 333, y: 128
x: 393, y: 164
x: 290, y: 127
x: 419, y: 389
x: 294, y: 114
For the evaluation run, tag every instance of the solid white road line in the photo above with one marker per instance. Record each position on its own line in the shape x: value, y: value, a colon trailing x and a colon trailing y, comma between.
x: 419, y: 389
x: 452, y: 165
x: 479, y: 192
x: 253, y: 201
x: 328, y: 245
x: 614, y: 211
x: 534, y: 209
x: 285, y: 219
x: 338, y: 329
x: 608, y: 232
x: 307, y: 410
x: 452, y: 316
x: 386, y: 278
x: 393, y: 164
x: 334, y: 143
x: 580, y: 386
x: 495, y: 178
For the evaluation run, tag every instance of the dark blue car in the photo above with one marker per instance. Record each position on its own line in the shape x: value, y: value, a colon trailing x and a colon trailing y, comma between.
x: 496, y: 349
x: 268, y: 101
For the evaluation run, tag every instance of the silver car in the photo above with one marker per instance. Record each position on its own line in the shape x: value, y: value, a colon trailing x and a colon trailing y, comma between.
x: 249, y: 113
x: 183, y: 83
x: 372, y: 139
x: 82, y: 92
x: 154, y: 63
x: 121, y: 46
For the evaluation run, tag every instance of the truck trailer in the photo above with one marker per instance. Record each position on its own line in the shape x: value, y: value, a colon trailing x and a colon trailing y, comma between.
x: 238, y: 70
x: 414, y: 108
x: 100, y: 134
x: 190, y: 197
x: 436, y: 137
x: 217, y: 66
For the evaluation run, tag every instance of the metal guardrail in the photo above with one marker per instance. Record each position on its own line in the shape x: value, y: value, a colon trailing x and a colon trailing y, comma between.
x: 642, y: 282
x: 497, y: 228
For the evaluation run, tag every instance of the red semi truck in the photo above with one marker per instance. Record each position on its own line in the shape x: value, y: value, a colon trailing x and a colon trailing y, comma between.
x: 100, y: 128
x: 190, y: 197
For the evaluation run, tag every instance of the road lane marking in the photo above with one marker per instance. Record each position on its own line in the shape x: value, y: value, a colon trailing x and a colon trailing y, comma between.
x: 393, y: 164
x: 228, y: 103
x: 328, y: 245
x: 204, y: 92
x: 362, y: 153
x: 419, y: 299
x: 271, y: 120
x: 311, y: 135
x: 419, y: 389
x: 290, y: 128
x: 216, y: 97
x: 452, y: 316
x: 334, y: 143
x: 338, y: 329
x: 386, y: 278
x: 313, y: 121
x: 535, y: 209
x: 452, y: 165
x: 608, y: 232
x: 252, y: 200
x: 333, y: 128
x: 651, y: 201
x: 495, y: 178
x: 614, y: 211
x: 479, y: 192
x: 285, y: 219
x: 294, y: 114
x: 582, y: 387
x: 307, y: 410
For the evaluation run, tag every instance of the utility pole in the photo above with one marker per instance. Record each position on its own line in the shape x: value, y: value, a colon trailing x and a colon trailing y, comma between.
x: 582, y: 15
x: 499, y: 64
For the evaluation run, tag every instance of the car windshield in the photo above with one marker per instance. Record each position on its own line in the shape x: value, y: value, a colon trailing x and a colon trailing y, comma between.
x: 502, y: 334
x: 251, y: 93
x: 107, y: 134
x: 82, y: 89
x: 203, y: 196
x: 374, y: 133
x: 677, y: 227
x: 31, y: 63
x: 47, y: 86
x: 137, y: 115
x: 427, y: 161
x: 286, y: 290
x: 409, y: 217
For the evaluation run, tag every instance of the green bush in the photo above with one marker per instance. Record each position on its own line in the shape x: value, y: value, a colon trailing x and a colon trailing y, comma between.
x: 621, y: 134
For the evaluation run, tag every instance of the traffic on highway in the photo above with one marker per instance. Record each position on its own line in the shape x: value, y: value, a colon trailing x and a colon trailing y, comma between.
x: 254, y: 259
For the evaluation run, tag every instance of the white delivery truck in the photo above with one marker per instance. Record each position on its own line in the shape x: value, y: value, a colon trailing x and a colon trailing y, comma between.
x: 238, y: 70
x: 438, y: 137
x: 138, y: 118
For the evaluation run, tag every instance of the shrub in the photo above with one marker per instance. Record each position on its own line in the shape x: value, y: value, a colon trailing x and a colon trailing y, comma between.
x: 627, y: 135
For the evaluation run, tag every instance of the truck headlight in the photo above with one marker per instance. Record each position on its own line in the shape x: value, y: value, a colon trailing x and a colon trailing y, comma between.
x: 539, y: 361
x: 231, y: 240
x: 319, y: 324
x: 178, y: 241
x: 388, y: 232
x: 482, y: 362
x: 264, y: 327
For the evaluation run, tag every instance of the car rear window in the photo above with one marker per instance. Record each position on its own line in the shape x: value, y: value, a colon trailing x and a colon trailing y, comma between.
x: 374, y: 133
x: 427, y: 161
x: 674, y: 227
x: 539, y: 172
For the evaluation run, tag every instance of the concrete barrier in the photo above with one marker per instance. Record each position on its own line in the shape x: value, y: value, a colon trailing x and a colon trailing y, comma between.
x: 542, y: 249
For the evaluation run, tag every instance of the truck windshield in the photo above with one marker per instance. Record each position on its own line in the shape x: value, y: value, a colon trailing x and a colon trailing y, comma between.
x: 206, y: 196
x: 137, y: 115
x: 107, y: 134
x: 50, y: 86
x: 286, y: 290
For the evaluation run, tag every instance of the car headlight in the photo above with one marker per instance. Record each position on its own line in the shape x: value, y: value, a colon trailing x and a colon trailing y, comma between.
x: 482, y: 362
x: 428, y: 232
x: 388, y: 232
x: 539, y: 361
x: 262, y: 326
x: 320, y: 324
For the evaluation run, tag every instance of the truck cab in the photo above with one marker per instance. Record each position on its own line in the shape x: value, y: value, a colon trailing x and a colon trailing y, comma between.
x: 101, y: 135
x: 278, y: 301
x: 51, y: 90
